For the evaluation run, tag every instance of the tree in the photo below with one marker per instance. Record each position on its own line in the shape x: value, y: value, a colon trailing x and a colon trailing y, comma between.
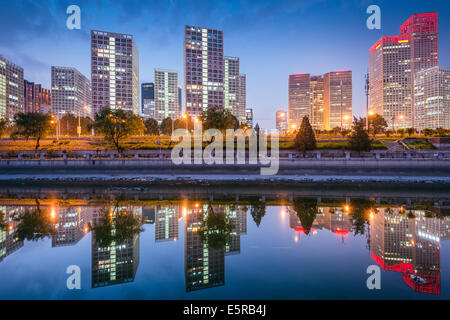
x: 377, y: 124
x: 428, y: 132
x: 151, y: 126
x: 305, y: 139
x: 166, y: 126
x: 306, y: 211
x: 3, y: 125
x: 441, y: 132
x: 359, y: 138
x: 410, y: 131
x: 216, y: 229
x: 258, y: 210
x: 401, y: 132
x: 31, y: 125
x: 219, y: 118
x: 34, y: 224
x: 69, y: 124
x: 118, y: 225
x: 116, y: 125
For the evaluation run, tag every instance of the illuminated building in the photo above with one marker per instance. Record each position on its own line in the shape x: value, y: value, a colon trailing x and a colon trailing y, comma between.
x: 114, y: 71
x: 394, y: 62
x: 71, y: 92
x: 242, y: 98
x: 316, y: 90
x: 8, y: 239
x: 249, y: 117
x: 281, y: 121
x: 11, y: 89
x: 204, y: 266
x: 166, y: 223
x: 70, y: 225
x: 299, y: 99
x: 148, y: 100
x: 234, y: 85
x: 36, y: 98
x: 166, y: 95
x: 432, y: 98
x: 116, y: 263
x: 337, y: 100
x: 407, y: 245
x: 204, y: 73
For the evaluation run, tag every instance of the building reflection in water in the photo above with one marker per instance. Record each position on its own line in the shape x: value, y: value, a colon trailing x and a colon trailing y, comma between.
x: 399, y: 240
x: 409, y: 243
x: 8, y: 240
x: 118, y: 261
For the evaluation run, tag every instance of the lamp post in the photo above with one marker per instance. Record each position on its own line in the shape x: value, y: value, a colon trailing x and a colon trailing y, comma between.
x: 185, y: 120
x: 367, y: 89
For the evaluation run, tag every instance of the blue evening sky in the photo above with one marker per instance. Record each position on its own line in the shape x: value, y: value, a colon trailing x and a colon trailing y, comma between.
x: 272, y: 38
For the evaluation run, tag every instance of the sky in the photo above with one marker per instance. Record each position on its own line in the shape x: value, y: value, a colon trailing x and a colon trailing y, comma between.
x: 272, y: 38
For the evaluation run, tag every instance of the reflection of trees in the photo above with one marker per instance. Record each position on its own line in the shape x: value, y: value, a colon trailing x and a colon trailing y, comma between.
x: 306, y: 211
x: 116, y: 225
x: 258, y: 210
x: 34, y: 224
x: 216, y: 229
x: 360, y: 208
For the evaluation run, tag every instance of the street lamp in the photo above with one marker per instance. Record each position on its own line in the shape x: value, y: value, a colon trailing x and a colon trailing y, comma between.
x: 185, y: 120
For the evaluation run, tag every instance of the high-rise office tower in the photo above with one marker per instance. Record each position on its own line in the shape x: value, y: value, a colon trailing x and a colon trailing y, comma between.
x: 71, y: 92
x: 316, y: 90
x: 11, y: 89
x: 204, y: 265
x: 166, y: 95
x: 166, y: 223
x: 281, y: 121
x: 114, y: 71
x: 432, y: 98
x: 249, y: 117
x: 242, y: 98
x: 36, y: 98
x: 148, y: 100
x: 299, y: 99
x: 231, y: 85
x: 394, y: 62
x: 337, y: 100
x: 204, y: 74
x: 116, y: 262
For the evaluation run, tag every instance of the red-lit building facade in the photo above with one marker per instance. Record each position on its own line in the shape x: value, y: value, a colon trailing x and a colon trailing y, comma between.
x: 394, y: 61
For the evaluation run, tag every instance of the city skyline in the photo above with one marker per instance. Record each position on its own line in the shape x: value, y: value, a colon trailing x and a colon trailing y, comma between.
x: 166, y: 52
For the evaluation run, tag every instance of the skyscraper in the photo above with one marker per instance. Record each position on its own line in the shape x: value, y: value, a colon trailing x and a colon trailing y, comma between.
x: 394, y: 61
x: 148, y: 100
x: 432, y: 98
x: 242, y: 98
x: 204, y: 74
x: 337, y: 100
x: 180, y: 100
x: 231, y: 84
x: 166, y: 95
x: 281, y: 121
x: 114, y: 71
x: 11, y: 89
x: 299, y: 99
x: 316, y: 90
x: 36, y: 98
x: 71, y: 92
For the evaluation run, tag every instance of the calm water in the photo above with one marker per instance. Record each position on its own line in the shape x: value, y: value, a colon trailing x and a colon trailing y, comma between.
x: 303, y: 249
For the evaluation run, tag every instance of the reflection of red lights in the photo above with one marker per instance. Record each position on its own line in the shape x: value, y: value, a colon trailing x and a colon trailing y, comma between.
x: 298, y: 229
x: 341, y: 232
